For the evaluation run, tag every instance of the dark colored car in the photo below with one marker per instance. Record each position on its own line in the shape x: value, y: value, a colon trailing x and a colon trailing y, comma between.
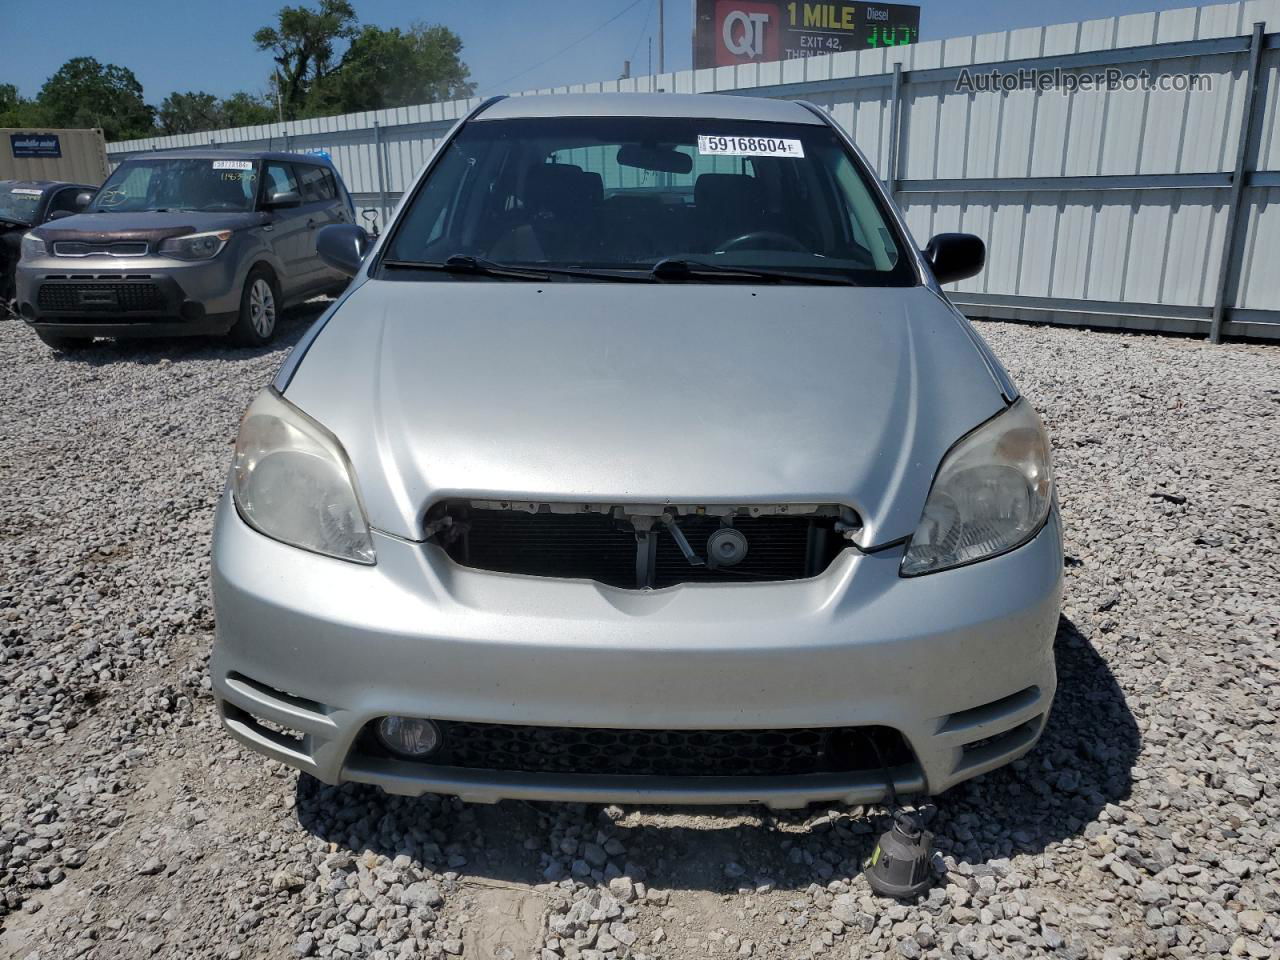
x: 185, y: 242
x: 28, y: 203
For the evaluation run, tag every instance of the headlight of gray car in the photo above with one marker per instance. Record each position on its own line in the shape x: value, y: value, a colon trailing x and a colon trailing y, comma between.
x: 992, y: 493
x: 32, y: 247
x: 195, y: 246
x: 292, y: 481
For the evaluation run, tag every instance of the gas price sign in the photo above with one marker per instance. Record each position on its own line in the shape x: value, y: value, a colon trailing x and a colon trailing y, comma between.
x: 746, y: 31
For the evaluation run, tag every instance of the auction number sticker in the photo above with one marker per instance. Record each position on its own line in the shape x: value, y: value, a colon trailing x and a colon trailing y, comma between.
x: 711, y: 145
x: 26, y: 191
x: 233, y: 164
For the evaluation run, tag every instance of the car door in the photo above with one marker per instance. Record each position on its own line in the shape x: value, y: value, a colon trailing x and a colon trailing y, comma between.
x: 287, y: 233
x: 323, y: 206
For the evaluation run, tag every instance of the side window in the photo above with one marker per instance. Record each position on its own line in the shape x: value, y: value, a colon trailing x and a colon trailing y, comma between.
x: 64, y: 199
x: 317, y: 184
x: 280, y: 179
x: 331, y: 184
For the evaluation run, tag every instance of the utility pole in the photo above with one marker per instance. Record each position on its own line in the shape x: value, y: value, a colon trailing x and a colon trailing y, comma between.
x: 662, y: 37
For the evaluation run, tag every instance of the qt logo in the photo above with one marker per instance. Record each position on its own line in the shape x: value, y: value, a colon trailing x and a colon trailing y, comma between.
x: 745, y: 31
x: 749, y: 40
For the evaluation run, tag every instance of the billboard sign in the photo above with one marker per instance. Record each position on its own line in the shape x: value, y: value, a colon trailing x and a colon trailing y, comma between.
x: 729, y: 32
x: 35, y: 145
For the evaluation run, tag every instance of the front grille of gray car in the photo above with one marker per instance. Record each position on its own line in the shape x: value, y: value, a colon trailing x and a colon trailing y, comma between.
x: 116, y: 248
x: 665, y: 753
x: 598, y: 546
x: 100, y: 296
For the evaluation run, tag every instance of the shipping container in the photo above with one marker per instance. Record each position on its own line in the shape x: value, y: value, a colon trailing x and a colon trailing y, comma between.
x: 78, y: 156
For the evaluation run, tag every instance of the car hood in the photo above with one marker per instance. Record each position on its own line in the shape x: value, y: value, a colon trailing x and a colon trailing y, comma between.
x: 151, y: 225
x: 631, y: 393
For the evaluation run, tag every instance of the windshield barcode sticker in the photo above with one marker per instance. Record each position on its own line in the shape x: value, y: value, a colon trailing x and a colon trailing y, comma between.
x: 26, y: 191
x: 233, y: 164
x: 749, y: 147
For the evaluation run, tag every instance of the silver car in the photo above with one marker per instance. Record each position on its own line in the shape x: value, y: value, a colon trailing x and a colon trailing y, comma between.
x: 185, y: 242
x: 643, y: 460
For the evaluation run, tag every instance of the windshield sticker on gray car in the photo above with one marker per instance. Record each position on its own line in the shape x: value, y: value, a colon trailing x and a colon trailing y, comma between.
x: 233, y: 164
x: 711, y: 145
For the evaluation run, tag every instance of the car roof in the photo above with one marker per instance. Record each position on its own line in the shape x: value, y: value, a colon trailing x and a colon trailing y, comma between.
x: 43, y: 184
x: 700, y: 105
x: 215, y: 153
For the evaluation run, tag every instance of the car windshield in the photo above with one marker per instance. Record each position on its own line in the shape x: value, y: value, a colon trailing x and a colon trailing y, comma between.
x: 624, y: 193
x: 208, y: 184
x: 18, y: 203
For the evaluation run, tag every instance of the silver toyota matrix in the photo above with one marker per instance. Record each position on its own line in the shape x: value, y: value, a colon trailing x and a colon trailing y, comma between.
x: 643, y: 460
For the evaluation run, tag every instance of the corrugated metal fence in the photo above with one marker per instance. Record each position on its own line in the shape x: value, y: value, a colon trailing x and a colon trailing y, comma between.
x: 1153, y: 207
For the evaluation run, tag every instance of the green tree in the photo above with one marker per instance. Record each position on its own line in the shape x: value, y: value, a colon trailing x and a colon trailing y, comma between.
x: 244, y: 109
x: 394, y: 68
x: 189, y: 112
x: 16, y: 110
x: 86, y: 93
x: 302, y: 45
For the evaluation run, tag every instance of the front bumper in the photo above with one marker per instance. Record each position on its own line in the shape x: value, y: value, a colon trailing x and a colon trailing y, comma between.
x: 309, y: 650
x: 124, y: 297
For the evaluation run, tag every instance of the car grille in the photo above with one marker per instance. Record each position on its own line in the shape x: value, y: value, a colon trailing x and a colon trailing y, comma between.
x: 601, y: 547
x: 100, y: 296
x: 82, y: 248
x: 670, y: 753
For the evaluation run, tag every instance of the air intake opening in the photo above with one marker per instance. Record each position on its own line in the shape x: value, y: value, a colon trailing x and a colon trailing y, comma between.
x: 640, y: 547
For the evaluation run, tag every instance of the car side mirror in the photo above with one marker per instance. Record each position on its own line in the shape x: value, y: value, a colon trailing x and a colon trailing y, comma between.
x: 282, y: 199
x: 955, y: 256
x: 60, y: 214
x: 342, y: 246
x: 83, y: 199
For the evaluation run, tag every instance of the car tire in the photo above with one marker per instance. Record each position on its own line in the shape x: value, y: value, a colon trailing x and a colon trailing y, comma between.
x: 259, y: 309
x: 64, y: 344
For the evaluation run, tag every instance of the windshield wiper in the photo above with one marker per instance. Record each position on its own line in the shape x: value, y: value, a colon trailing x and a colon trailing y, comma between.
x: 674, y: 268
x: 462, y: 263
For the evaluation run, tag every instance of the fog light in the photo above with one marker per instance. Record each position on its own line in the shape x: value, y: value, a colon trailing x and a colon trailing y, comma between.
x: 408, y: 736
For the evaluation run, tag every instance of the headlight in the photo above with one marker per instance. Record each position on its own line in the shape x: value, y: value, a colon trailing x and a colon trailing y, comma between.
x: 992, y: 493
x: 292, y: 481
x: 195, y: 246
x: 32, y: 247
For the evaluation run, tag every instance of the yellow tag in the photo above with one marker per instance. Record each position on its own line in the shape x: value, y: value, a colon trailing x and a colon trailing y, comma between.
x: 875, y: 857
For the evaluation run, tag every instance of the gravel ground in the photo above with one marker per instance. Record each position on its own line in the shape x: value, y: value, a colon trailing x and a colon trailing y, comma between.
x: 1144, y: 825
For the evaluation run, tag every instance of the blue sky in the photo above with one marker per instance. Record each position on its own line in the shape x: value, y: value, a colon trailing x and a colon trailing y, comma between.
x: 207, y: 46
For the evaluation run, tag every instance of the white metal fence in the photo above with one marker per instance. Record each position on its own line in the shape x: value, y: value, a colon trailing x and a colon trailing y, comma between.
x: 1146, y: 208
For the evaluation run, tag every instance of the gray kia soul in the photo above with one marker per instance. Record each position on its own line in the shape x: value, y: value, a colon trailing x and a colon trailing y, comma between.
x: 185, y: 242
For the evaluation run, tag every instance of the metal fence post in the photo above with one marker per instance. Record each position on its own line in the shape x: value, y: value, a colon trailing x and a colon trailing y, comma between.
x: 1246, y: 163
x: 895, y: 131
x: 382, y: 184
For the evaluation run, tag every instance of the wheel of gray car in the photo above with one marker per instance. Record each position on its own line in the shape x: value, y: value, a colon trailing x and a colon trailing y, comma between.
x: 64, y: 344
x: 259, y: 309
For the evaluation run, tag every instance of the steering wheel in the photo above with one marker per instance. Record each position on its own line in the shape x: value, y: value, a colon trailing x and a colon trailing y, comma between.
x: 770, y: 239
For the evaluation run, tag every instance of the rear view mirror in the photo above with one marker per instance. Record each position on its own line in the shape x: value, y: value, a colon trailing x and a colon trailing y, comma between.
x: 280, y: 199
x: 661, y: 159
x: 342, y: 246
x: 955, y: 256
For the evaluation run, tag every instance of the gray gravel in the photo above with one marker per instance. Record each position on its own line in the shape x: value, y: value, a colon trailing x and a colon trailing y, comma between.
x: 1144, y: 825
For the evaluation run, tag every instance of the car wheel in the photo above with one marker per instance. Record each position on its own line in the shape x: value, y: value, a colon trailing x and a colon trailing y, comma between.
x: 64, y: 344
x: 259, y: 310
